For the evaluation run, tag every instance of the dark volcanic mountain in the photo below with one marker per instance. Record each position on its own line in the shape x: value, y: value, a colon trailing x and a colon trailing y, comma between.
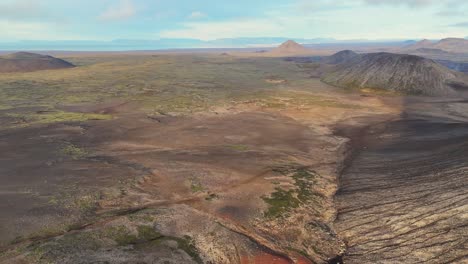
x: 396, y: 72
x: 340, y: 57
x: 28, y: 62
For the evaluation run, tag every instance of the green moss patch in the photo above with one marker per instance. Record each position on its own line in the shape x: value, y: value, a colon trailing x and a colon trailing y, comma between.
x: 26, y: 119
x: 282, y: 201
x: 196, y: 186
x: 73, y: 151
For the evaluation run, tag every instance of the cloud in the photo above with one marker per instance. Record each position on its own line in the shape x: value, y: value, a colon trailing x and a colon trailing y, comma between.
x: 453, y: 8
x: 452, y: 12
x: 410, y: 3
x: 223, y: 29
x: 461, y: 24
x: 23, y: 30
x: 196, y: 15
x: 124, y: 10
x: 21, y: 10
x: 315, y: 6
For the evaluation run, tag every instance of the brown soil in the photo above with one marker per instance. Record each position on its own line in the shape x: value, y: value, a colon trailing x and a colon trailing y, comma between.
x: 202, y: 176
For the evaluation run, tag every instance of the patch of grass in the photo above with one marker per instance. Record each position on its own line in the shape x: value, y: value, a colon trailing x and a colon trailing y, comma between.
x: 187, y: 244
x: 76, y: 242
x: 46, y: 252
x: 73, y: 151
x: 121, y: 235
x: 147, y: 233
x: 239, y: 147
x: 141, y: 216
x: 305, y: 180
x: 380, y: 91
x: 86, y: 204
x: 24, y: 120
x: 196, y: 186
x: 282, y: 201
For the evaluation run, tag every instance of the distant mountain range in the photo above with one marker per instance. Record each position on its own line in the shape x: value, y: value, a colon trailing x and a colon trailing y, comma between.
x: 457, y: 45
x: 170, y: 43
x: 162, y: 44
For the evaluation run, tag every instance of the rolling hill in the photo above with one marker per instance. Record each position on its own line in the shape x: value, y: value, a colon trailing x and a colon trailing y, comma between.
x: 28, y: 62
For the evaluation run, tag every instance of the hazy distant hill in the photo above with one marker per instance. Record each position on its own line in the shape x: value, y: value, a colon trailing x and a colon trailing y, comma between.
x: 26, y: 62
x: 457, y: 45
x: 452, y: 44
x: 290, y: 47
x: 425, y: 43
x: 396, y: 72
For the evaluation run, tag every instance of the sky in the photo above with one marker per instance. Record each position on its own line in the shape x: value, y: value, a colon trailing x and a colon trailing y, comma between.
x: 105, y: 20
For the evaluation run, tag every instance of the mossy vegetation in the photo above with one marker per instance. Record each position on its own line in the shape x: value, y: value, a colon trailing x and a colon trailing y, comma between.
x: 121, y: 235
x: 239, y: 147
x: 98, y: 239
x: 187, y: 244
x: 196, y: 186
x: 167, y: 83
x: 73, y: 151
x: 282, y: 201
x: 148, y: 233
x: 48, y: 117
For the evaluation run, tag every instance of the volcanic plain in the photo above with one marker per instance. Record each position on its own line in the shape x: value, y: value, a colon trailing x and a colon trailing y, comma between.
x: 214, y: 158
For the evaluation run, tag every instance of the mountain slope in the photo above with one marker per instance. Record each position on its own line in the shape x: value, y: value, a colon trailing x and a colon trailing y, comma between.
x: 396, y: 72
x: 340, y: 57
x: 27, y: 62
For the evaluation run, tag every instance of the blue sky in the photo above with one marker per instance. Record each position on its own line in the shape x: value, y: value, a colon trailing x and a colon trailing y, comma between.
x: 213, y: 19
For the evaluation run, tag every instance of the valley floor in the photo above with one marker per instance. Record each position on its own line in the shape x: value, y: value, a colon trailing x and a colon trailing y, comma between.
x: 218, y: 159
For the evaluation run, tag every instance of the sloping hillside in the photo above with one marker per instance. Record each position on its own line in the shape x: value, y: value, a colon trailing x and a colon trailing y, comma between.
x: 340, y: 57
x: 396, y: 72
x: 27, y: 62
